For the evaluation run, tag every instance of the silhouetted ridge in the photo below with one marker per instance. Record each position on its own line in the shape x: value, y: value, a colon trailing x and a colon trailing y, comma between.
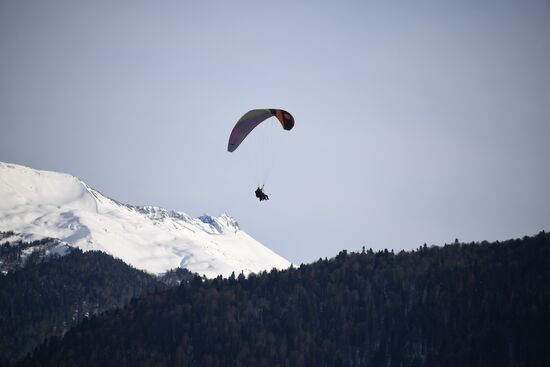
x: 49, y: 294
x: 459, y: 305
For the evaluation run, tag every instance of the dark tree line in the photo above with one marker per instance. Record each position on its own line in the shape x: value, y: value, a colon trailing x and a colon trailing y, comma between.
x: 50, y: 295
x: 482, y: 304
x: 15, y: 255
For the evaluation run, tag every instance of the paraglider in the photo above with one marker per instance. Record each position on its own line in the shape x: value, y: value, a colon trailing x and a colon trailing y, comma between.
x: 260, y: 194
x: 251, y: 120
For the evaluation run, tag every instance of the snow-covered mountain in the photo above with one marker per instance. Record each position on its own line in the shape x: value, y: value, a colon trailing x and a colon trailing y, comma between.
x: 41, y: 204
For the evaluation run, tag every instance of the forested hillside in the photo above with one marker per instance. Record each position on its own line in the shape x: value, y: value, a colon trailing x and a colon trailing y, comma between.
x: 45, y: 295
x: 479, y: 304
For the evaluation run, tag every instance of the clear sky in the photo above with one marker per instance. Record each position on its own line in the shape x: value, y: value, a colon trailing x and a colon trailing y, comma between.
x: 416, y: 121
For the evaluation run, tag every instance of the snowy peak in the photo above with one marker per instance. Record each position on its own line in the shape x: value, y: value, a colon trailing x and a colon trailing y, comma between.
x: 158, y: 213
x: 214, y: 225
x: 41, y: 204
x: 222, y: 224
x: 21, y: 185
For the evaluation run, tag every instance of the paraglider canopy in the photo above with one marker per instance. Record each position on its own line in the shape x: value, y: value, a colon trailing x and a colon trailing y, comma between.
x: 253, y: 118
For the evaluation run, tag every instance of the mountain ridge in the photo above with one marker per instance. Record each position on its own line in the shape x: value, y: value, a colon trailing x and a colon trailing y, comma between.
x: 41, y: 204
x: 462, y: 304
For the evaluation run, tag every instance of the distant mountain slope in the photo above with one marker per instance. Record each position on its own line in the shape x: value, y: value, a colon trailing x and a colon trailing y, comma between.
x: 461, y: 305
x: 41, y: 204
x: 15, y: 253
x: 49, y: 295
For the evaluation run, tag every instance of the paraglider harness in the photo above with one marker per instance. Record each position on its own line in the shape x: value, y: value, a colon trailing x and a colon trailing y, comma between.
x: 260, y: 194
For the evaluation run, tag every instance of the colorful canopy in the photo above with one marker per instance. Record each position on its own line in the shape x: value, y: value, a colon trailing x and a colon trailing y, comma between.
x: 253, y: 118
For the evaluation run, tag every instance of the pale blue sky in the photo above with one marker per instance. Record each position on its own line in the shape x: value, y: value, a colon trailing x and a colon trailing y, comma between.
x: 416, y: 121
